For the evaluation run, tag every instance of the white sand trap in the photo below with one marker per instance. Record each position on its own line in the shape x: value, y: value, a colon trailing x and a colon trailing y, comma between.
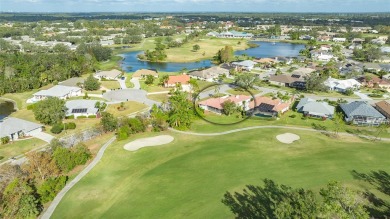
x: 287, y: 138
x: 148, y: 142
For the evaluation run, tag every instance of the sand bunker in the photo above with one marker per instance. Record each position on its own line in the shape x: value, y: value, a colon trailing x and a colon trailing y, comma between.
x: 287, y: 138
x: 148, y: 142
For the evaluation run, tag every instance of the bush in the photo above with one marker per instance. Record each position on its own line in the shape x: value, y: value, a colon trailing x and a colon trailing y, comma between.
x: 70, y: 117
x: 70, y: 125
x: 31, y: 106
x: 92, y: 116
x: 81, y: 117
x: 57, y: 128
x: 49, y: 189
x: 1, y: 157
x: 5, y: 140
x: 293, y: 116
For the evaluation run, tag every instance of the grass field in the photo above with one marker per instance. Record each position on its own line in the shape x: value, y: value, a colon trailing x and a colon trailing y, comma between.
x: 110, y: 84
x: 130, y: 107
x: 242, y: 92
x: 158, y: 97
x: 16, y: 148
x: 110, y: 64
x: 208, y: 48
x: 187, y: 178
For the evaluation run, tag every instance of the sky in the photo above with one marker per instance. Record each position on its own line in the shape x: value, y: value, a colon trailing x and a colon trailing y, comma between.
x: 195, y: 5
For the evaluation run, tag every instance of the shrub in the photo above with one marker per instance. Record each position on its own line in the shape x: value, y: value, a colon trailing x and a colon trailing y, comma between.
x: 92, y: 116
x: 70, y: 125
x: 70, y: 117
x: 1, y: 157
x: 49, y: 189
x: 81, y: 117
x: 293, y: 116
x: 5, y: 140
x: 31, y: 106
x: 57, y: 128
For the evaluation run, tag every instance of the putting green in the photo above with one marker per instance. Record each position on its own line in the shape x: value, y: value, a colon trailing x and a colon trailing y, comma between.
x: 188, y: 177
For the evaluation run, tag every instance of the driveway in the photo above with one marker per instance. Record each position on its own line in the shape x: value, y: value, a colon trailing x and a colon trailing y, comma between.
x: 135, y: 81
x: 223, y: 88
x: 129, y: 95
x: 43, y: 136
x: 122, y: 83
x: 362, y: 96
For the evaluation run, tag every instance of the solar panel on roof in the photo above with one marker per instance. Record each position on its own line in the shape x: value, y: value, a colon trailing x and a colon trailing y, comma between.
x: 264, y: 107
x: 81, y: 110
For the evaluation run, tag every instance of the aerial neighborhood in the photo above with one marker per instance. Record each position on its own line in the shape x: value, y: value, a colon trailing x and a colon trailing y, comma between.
x: 231, y: 101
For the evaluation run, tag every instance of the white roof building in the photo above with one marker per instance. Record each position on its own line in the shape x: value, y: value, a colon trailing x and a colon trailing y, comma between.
x: 59, y: 91
x: 341, y: 85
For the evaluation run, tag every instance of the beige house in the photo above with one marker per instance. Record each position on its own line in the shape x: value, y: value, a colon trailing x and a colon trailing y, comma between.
x: 110, y: 75
x: 144, y: 72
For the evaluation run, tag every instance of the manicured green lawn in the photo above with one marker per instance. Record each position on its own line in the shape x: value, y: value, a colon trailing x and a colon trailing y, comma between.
x: 188, y: 177
x: 16, y: 148
x: 158, y: 97
x: 130, y: 107
x: 129, y: 84
x: 243, y: 92
x: 110, y: 64
x: 110, y: 84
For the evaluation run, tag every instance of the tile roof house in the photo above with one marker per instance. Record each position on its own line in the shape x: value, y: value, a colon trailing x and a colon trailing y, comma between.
x: 362, y: 113
x: 144, y: 72
x: 384, y: 108
x: 183, y: 80
x: 15, y: 128
x: 215, y: 104
x: 268, y: 106
x: 287, y: 80
x: 375, y: 82
x: 341, y: 85
x: 59, y: 91
x: 312, y: 108
x: 247, y: 65
x: 81, y: 108
x: 209, y: 74
x: 111, y: 75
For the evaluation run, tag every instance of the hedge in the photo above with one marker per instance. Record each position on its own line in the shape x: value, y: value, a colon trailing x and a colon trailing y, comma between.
x: 92, y: 116
x: 57, y: 128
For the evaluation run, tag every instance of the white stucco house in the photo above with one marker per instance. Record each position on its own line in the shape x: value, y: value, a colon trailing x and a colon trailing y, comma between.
x: 81, y: 108
x: 334, y: 84
x: 59, y: 91
x: 16, y: 128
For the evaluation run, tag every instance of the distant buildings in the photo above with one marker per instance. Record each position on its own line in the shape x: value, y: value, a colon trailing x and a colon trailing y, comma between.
x: 215, y: 105
x: 109, y: 75
x: 209, y: 74
x: 246, y: 65
x: 230, y: 34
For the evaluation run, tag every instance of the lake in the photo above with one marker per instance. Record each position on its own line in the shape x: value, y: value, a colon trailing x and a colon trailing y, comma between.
x: 6, y: 108
x: 130, y: 62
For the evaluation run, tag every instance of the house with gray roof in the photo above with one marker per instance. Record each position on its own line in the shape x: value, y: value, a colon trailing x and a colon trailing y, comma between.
x: 209, y: 74
x: 16, y: 128
x: 312, y: 108
x: 363, y: 114
x: 59, y: 91
x: 81, y: 108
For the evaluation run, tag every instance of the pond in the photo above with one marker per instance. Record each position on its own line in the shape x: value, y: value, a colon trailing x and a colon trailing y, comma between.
x: 6, y: 108
x: 130, y: 62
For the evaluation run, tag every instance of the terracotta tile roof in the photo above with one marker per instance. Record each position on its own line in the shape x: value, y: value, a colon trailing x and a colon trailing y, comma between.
x: 277, y: 103
x: 217, y: 102
x: 384, y: 106
x: 183, y: 79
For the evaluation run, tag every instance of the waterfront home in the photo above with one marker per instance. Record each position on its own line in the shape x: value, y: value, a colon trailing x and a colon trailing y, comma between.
x: 246, y: 65
x: 321, y: 56
x: 361, y: 113
x: 113, y: 74
x: 16, y: 128
x: 312, y: 108
x: 209, y: 74
x: 142, y: 73
x: 179, y: 80
x: 59, y: 91
x: 215, y: 105
x: 234, y: 34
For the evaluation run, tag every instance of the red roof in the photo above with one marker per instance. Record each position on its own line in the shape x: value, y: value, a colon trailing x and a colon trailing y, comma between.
x: 183, y: 79
x: 217, y: 102
x: 278, y: 104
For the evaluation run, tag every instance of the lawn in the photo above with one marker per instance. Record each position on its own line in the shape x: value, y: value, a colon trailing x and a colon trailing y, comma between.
x: 243, y: 92
x: 187, y: 178
x: 129, y: 84
x: 110, y: 64
x: 130, y: 107
x: 158, y: 97
x: 208, y: 48
x: 110, y: 84
x: 16, y: 148
x: 153, y: 87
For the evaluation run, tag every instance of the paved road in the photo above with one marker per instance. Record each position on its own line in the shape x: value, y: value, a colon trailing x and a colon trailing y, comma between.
x: 261, y: 127
x: 223, y: 88
x: 362, y: 96
x: 43, y: 136
x: 68, y: 186
x: 135, y: 81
